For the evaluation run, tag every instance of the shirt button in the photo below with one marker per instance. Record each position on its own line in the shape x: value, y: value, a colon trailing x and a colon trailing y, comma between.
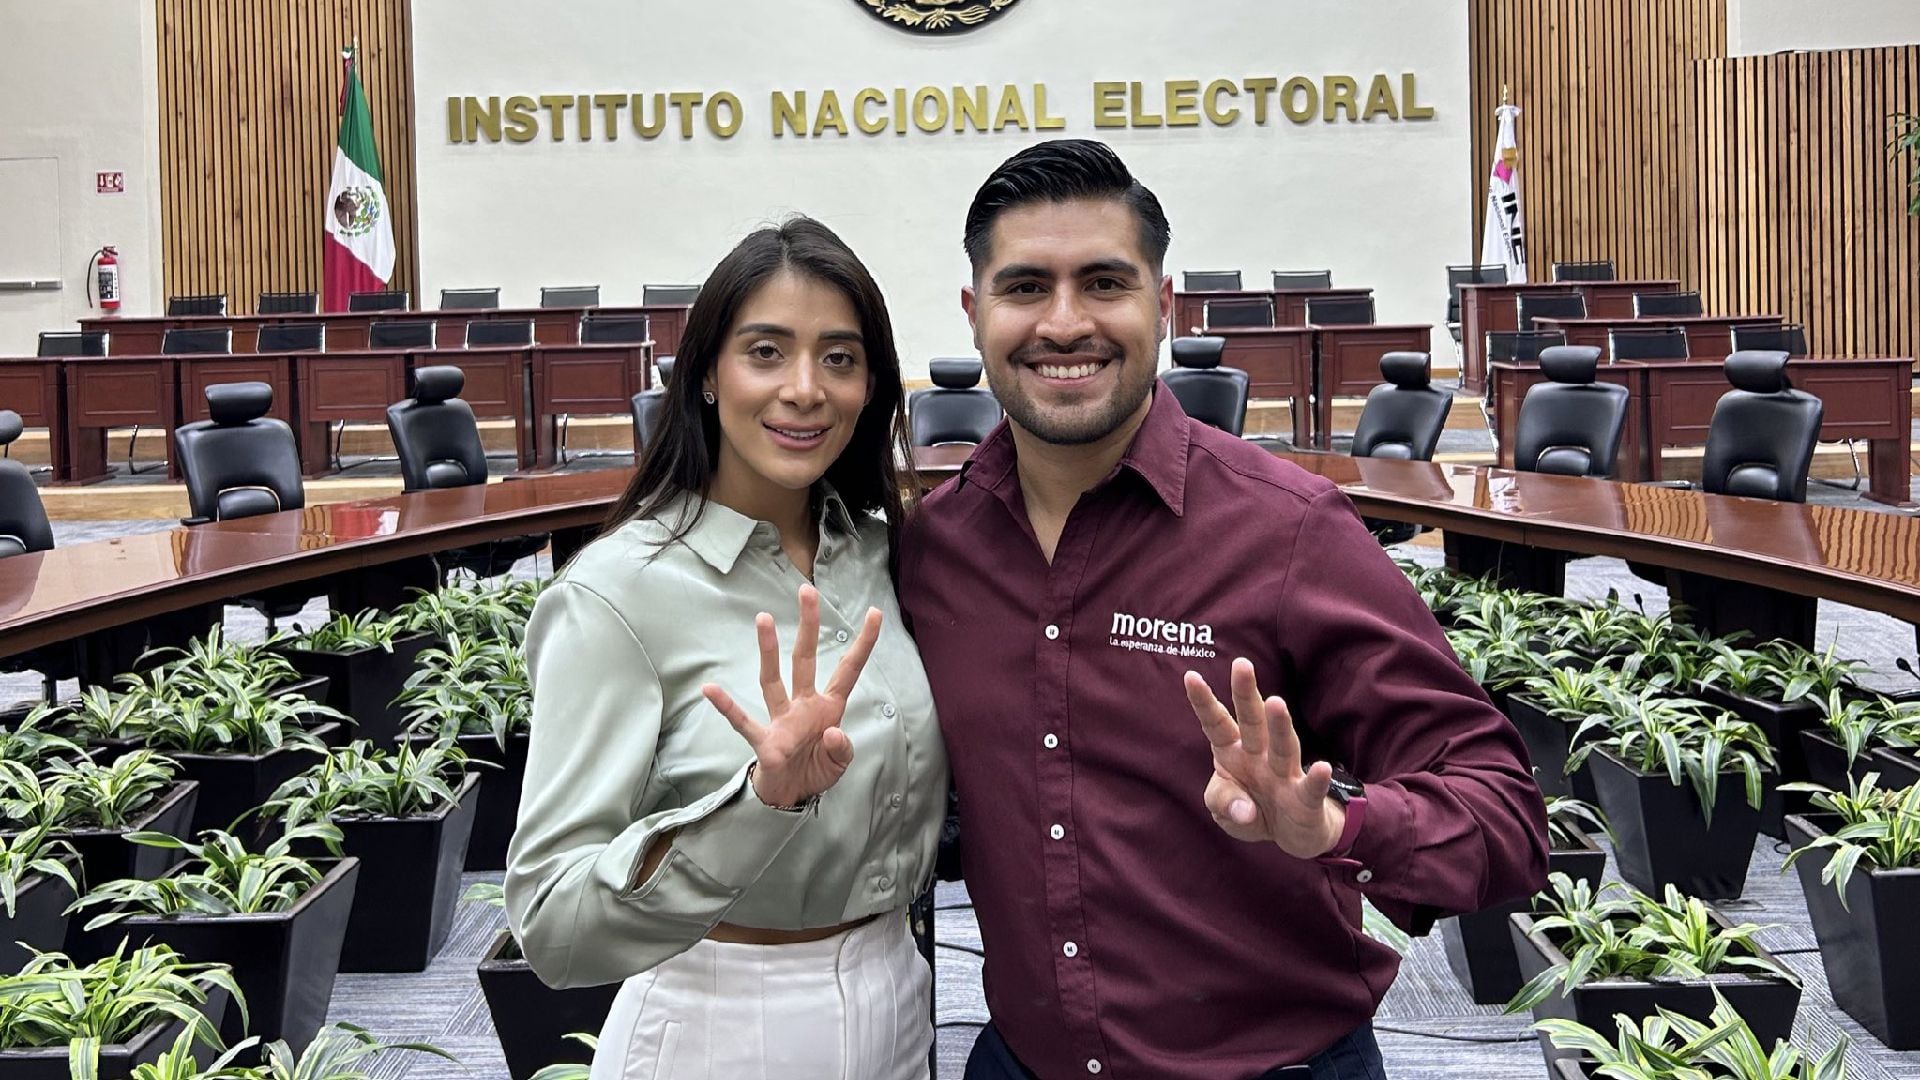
x: 1056, y: 832
x: 1052, y: 632
x: 1093, y: 1066
x: 839, y: 635
x: 1363, y: 876
x: 886, y: 882
x: 897, y: 800
x: 887, y: 709
x: 1070, y: 949
x: 1051, y: 741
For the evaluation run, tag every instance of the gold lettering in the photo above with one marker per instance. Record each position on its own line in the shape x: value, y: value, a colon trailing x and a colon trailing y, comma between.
x: 482, y: 120
x: 1012, y: 109
x: 1409, y: 94
x: 610, y: 106
x: 899, y: 110
x: 1380, y: 100
x: 1342, y: 93
x: 1260, y: 88
x: 920, y: 118
x: 454, y: 120
x: 829, y: 115
x: 1300, y: 113
x: 583, y: 112
x: 1137, y: 115
x: 640, y: 125
x: 685, y: 101
x: 1108, y: 103
x: 1042, y: 121
x: 732, y: 124
x: 1183, y: 103
x: 557, y: 106
x: 970, y: 108
x: 789, y: 114
x: 1215, y: 89
x: 872, y: 95
x: 522, y: 125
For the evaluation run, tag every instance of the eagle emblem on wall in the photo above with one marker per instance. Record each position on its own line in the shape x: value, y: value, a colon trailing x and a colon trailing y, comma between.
x: 936, y: 16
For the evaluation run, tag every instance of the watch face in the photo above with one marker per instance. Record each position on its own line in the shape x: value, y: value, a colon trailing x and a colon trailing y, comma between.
x: 1345, y: 788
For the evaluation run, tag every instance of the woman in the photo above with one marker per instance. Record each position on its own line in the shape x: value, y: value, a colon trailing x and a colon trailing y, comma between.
x: 747, y: 876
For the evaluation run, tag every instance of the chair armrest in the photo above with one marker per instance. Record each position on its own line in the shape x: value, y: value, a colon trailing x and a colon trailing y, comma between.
x: 192, y: 521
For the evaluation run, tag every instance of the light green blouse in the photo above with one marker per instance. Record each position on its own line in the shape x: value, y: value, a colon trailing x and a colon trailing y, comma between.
x: 624, y: 747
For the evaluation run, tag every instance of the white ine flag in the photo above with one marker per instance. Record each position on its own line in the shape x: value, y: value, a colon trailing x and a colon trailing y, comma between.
x: 1506, y: 231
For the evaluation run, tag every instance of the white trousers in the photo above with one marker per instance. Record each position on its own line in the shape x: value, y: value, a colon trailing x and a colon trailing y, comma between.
x: 853, y: 1007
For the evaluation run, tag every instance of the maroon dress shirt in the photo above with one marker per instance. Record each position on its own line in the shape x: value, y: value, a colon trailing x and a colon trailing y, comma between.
x: 1126, y: 935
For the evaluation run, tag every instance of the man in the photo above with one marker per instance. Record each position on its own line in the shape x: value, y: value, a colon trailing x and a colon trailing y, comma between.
x: 1169, y: 887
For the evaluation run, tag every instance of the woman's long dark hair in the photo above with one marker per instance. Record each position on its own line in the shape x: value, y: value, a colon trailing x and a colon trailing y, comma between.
x: 679, y: 458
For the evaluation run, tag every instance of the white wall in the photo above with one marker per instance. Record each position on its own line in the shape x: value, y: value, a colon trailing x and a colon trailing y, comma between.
x: 1385, y: 204
x: 78, y: 87
x: 1757, y: 27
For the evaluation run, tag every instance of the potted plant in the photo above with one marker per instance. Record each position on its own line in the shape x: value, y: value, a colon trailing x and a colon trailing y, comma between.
x: 488, y: 611
x: 476, y: 693
x: 365, y: 659
x: 532, y: 1020
x: 1780, y: 687
x: 339, y: 1052
x: 111, y: 1016
x: 1548, y: 710
x: 1493, y: 651
x: 1843, y: 747
x: 1863, y: 897
x: 104, y: 804
x: 1479, y: 945
x: 1673, y: 1046
x: 570, y: 1070
x: 276, y: 918
x: 207, y: 663
x: 36, y: 885
x: 406, y: 815
x: 1658, y: 763
x: 33, y: 741
x: 1594, y: 953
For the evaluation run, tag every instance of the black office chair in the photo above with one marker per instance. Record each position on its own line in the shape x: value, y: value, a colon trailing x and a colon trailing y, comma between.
x: 1340, y: 311
x: 1206, y: 391
x: 664, y: 295
x: 440, y: 447
x: 506, y: 332
x: 241, y: 463
x: 382, y: 300
x: 1403, y: 416
x: 1210, y: 281
x: 1789, y: 338
x: 72, y: 343
x: 197, y: 305
x: 955, y: 409
x: 561, y: 296
x: 1303, y: 279
x: 468, y: 299
x: 288, y: 303
x: 1468, y: 274
x: 292, y: 337
x: 1666, y: 305
x: 1599, y: 270
x: 1760, y: 442
x: 198, y: 340
x: 614, y: 330
x: 1566, y: 305
x: 1250, y: 311
x: 1655, y: 343
x: 403, y: 334
x: 1570, y: 425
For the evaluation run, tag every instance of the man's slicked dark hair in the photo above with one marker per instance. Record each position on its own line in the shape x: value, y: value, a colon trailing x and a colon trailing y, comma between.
x: 1058, y: 171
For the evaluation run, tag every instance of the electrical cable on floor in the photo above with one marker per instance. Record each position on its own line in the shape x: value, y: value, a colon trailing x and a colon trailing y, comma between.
x: 959, y: 1023
x: 981, y: 953
x: 966, y: 905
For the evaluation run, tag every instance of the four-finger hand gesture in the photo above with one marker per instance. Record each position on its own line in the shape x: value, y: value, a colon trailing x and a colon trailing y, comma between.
x: 801, y: 750
x: 1258, y: 790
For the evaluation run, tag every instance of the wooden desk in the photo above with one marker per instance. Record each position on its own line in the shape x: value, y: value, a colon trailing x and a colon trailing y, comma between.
x: 1279, y: 364
x: 1347, y: 364
x: 346, y: 387
x: 1709, y: 337
x: 1485, y: 309
x: 347, y: 330
x: 105, y: 392
x: 499, y: 386
x: 586, y: 380
x: 35, y: 388
x: 1289, y: 305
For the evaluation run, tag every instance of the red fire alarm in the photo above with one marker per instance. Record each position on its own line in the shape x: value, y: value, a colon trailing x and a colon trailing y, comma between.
x: 110, y: 183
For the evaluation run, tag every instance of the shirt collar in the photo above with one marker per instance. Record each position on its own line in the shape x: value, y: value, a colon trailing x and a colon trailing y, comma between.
x: 722, y: 533
x: 1158, y: 453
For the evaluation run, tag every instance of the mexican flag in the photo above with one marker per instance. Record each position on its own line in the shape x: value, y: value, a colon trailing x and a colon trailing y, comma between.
x: 359, y: 244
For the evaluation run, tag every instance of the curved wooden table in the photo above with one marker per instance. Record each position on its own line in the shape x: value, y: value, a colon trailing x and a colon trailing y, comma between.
x: 1866, y: 559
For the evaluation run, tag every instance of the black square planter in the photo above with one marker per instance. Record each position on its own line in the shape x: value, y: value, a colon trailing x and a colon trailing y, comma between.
x: 363, y: 683
x: 499, y: 808
x: 409, y: 883
x: 38, y: 921
x: 1827, y: 763
x: 1897, y: 768
x: 1870, y: 947
x: 1782, y: 725
x: 533, y: 1020
x: 232, y: 784
x: 1767, y: 1004
x: 1480, y: 945
x: 106, y: 855
x: 1662, y: 838
x: 117, y: 1060
x: 1549, y: 742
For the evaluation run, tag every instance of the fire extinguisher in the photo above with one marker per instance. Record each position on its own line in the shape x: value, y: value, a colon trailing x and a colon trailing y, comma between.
x: 103, y: 278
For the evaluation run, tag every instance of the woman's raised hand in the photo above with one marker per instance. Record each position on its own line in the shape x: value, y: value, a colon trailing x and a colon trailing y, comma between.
x: 801, y: 750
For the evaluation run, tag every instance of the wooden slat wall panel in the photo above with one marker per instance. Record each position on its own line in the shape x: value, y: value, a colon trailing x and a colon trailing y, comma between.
x: 249, y: 93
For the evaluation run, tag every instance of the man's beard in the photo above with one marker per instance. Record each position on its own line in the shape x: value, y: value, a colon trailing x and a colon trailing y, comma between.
x: 1081, y: 424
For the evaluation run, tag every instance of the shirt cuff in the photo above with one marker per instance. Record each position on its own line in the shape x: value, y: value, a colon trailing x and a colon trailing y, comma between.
x: 1380, y: 839
x: 730, y: 835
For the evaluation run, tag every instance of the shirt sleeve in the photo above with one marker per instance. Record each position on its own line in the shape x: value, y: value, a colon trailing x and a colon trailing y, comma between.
x: 574, y: 898
x: 1454, y: 821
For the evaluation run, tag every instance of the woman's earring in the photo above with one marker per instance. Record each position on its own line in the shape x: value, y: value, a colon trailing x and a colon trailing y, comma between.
x: 706, y: 396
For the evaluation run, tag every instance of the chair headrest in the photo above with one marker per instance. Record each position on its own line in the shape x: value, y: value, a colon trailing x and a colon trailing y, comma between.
x: 1758, y: 372
x: 954, y: 372
x: 1569, y: 363
x: 1198, y: 352
x: 239, y: 403
x: 664, y: 365
x: 10, y: 426
x: 1407, y: 370
x: 433, y: 385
